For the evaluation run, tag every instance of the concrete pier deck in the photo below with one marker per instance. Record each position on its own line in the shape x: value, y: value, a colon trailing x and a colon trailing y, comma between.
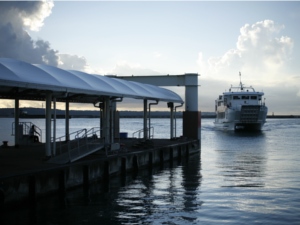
x: 25, y: 174
x: 28, y: 159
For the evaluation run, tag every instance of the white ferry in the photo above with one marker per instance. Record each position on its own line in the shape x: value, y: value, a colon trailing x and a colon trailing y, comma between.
x: 240, y: 108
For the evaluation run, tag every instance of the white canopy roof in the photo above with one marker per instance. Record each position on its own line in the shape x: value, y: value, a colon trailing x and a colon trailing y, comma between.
x: 31, y: 81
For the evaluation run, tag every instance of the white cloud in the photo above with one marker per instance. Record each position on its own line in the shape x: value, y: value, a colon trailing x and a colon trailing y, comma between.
x: 36, y: 20
x: 264, y: 58
x: 124, y: 68
x: 260, y: 55
x: 72, y: 62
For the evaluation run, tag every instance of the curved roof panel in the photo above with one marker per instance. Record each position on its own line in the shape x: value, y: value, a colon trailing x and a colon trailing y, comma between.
x: 41, y: 78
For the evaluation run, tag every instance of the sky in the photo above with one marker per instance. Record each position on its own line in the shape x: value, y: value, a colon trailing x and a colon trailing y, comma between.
x: 216, y: 39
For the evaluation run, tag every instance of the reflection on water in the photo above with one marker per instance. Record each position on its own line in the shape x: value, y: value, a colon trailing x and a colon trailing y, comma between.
x: 164, y: 197
x: 239, y: 178
x: 242, y: 163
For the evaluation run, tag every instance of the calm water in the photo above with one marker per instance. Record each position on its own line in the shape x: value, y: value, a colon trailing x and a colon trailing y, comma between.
x: 239, y: 178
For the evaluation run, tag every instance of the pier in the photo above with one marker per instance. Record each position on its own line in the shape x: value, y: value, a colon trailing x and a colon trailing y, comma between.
x: 31, y: 169
x: 28, y: 176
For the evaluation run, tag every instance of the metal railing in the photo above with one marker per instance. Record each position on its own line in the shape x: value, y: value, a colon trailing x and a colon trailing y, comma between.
x: 78, y: 141
x: 26, y: 129
x: 141, y: 131
x: 93, y: 132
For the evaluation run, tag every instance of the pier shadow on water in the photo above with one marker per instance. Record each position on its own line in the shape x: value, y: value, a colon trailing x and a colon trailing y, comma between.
x: 136, y: 198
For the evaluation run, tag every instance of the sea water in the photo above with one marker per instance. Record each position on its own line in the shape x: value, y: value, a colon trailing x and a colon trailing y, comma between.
x: 239, y: 178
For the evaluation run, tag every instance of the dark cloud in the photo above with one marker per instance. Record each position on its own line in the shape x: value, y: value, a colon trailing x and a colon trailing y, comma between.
x: 15, y: 41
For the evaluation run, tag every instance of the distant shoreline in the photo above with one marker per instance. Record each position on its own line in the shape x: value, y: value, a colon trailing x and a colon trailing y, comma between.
x: 152, y: 116
x: 38, y: 113
x: 136, y: 116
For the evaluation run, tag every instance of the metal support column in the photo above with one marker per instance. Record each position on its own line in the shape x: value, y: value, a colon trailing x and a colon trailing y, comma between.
x: 101, y: 119
x: 48, y: 124
x: 172, y: 121
x: 171, y: 106
x: 175, y: 118
x: 67, y: 118
x: 17, y: 132
x: 112, y: 121
x: 149, y: 121
x: 191, y: 117
x: 191, y: 92
x: 145, y: 120
x: 106, y: 120
x: 54, y: 128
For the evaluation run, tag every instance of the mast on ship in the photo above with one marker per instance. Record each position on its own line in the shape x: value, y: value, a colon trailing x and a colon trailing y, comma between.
x: 241, y: 84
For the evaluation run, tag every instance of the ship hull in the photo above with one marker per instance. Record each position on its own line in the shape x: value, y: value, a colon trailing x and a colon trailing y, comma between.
x: 232, y: 125
x: 249, y: 117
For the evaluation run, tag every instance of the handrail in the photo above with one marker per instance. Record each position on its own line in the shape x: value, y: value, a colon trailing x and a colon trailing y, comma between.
x: 26, y: 129
x: 139, y: 132
x: 79, y: 132
x: 81, y: 139
x: 94, y: 131
x: 89, y: 133
x: 60, y: 140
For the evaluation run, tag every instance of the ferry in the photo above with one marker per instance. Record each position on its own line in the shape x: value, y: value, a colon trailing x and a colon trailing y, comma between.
x: 241, y: 108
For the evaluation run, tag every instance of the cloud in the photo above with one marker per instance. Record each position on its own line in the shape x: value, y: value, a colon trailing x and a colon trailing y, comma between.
x: 125, y: 68
x: 264, y: 58
x: 15, y: 42
x: 72, y: 62
x: 260, y: 53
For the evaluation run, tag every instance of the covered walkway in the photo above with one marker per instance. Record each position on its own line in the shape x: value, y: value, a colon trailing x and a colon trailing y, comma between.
x: 23, y: 81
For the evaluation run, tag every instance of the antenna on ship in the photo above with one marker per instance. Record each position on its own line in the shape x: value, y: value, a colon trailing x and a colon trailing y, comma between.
x: 241, y: 81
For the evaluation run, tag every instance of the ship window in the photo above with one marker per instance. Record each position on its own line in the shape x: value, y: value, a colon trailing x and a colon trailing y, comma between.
x: 220, y: 97
x: 236, y: 97
x: 254, y: 97
x: 245, y: 97
x: 220, y: 103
